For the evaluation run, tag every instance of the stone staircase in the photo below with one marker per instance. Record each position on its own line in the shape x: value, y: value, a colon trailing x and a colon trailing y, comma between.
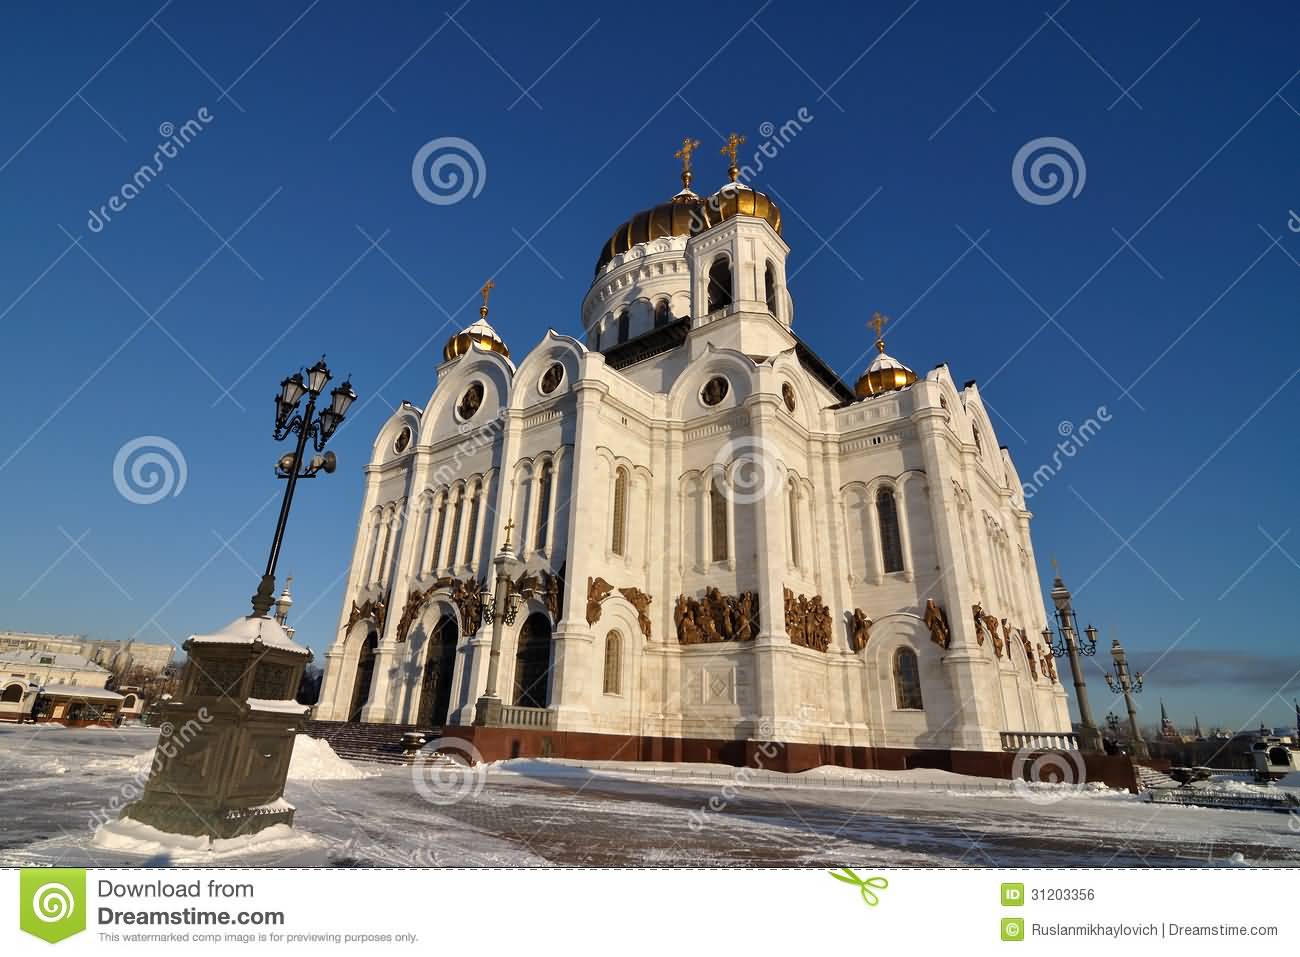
x: 378, y: 743
x: 1149, y: 779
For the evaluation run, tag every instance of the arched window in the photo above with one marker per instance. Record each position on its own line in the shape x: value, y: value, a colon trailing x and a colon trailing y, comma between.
x: 792, y: 493
x: 12, y: 693
x: 891, y: 542
x: 618, y: 544
x: 600, y: 330
x: 624, y: 326
x: 533, y: 662
x: 613, y: 663
x: 663, y: 313
x: 436, y: 561
x: 456, y: 513
x: 475, y: 499
x: 544, y: 503
x: 769, y: 288
x: 907, y: 680
x: 718, y: 520
x: 128, y: 702
x: 719, y: 283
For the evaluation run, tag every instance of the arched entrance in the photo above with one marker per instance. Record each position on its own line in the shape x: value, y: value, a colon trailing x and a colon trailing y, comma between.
x: 365, y: 672
x: 439, y: 665
x: 533, y: 662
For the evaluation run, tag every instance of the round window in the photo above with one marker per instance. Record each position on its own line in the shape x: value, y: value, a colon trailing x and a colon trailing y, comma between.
x: 552, y: 378
x: 714, y: 391
x: 787, y: 393
x: 470, y: 401
x: 403, y: 440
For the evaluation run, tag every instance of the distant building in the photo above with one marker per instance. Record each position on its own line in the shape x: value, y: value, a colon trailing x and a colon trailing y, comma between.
x: 119, y: 657
x: 52, y: 686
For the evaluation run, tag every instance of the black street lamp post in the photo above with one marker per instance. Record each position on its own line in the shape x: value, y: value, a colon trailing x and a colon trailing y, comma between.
x: 308, y: 425
x: 1127, y: 683
x: 1070, y: 644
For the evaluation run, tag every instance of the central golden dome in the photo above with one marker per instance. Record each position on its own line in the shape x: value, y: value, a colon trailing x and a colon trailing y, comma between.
x: 687, y: 214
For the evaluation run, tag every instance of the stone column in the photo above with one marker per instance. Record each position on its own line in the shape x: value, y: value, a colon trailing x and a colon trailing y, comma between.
x: 773, y: 691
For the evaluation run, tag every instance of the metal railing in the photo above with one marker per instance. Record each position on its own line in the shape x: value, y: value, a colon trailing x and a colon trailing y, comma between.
x: 517, y: 716
x: 1040, y: 740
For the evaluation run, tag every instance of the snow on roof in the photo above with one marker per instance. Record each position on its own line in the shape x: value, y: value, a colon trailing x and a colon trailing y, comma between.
x: 58, y: 660
x: 246, y: 631
x: 277, y: 706
x: 81, y: 691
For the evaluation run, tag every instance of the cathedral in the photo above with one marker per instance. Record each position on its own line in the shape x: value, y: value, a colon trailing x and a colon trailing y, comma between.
x: 678, y: 534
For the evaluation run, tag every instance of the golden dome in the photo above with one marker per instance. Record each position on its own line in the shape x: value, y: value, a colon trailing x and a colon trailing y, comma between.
x: 687, y: 214
x: 479, y: 334
x: 885, y: 374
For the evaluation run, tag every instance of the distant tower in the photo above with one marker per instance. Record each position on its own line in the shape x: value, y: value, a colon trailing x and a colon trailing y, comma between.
x: 1167, y: 729
x: 282, y: 606
x: 1196, y: 730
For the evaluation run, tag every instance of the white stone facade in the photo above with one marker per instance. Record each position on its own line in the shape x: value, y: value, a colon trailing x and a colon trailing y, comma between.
x: 626, y: 474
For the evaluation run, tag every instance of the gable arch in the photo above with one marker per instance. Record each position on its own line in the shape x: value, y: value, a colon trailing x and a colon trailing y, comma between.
x: 496, y: 374
x: 737, y: 368
x: 527, y: 377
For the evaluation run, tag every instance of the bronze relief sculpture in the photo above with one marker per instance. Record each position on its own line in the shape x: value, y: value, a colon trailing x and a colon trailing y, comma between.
x: 807, y: 621
x: 716, y: 617
x: 859, y: 629
x: 937, y: 622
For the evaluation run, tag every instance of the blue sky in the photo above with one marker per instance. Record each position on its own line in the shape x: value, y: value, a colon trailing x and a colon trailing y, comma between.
x: 1172, y: 273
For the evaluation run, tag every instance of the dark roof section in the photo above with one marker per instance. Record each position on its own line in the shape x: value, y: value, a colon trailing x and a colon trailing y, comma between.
x: 823, y: 373
x: 648, y: 344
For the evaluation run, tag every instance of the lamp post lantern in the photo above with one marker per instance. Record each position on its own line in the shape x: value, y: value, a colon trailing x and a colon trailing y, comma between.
x: 1070, y: 645
x: 308, y: 426
x: 499, y: 609
x: 1125, y: 682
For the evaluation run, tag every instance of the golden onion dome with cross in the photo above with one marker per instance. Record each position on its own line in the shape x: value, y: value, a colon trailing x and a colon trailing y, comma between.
x: 480, y: 334
x: 688, y: 213
x: 885, y: 373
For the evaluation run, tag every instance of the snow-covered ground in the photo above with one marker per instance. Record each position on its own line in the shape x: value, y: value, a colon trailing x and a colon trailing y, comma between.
x: 57, y: 784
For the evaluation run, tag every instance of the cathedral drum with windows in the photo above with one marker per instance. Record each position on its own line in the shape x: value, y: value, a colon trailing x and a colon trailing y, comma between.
x: 714, y: 541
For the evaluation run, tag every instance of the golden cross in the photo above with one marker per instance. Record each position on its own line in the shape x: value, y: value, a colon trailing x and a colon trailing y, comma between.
x: 733, y: 141
x: 510, y: 525
x: 487, y: 290
x: 1055, y: 567
x: 878, y: 321
x: 689, y: 146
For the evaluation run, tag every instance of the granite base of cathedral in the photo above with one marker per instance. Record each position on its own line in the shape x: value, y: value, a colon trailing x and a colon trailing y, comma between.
x: 498, y: 744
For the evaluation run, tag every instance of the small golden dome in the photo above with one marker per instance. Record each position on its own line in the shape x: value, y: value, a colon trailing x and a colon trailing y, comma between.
x: 479, y: 334
x: 885, y: 374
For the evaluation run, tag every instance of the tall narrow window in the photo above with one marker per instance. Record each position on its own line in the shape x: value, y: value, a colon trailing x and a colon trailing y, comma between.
x: 907, y: 680
x: 979, y: 441
x: 436, y: 561
x: 613, y: 663
x: 719, y: 283
x: 388, y: 540
x: 475, y: 499
x: 600, y: 328
x: 663, y: 314
x: 624, y: 327
x: 456, y: 513
x: 769, y: 288
x: 891, y: 543
x: 792, y: 493
x: 718, y: 520
x: 618, y: 544
x: 544, y: 503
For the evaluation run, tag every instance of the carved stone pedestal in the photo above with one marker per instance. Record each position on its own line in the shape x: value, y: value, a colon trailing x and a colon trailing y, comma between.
x: 227, y: 737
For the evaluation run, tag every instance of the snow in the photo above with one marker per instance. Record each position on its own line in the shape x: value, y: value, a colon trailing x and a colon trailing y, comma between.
x: 553, y: 812
x: 314, y: 760
x: 82, y: 691
x: 133, y: 837
x: 246, y: 631
x: 277, y: 706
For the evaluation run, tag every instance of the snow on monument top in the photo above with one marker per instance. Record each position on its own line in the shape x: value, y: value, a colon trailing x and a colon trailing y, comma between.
x: 251, y: 630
